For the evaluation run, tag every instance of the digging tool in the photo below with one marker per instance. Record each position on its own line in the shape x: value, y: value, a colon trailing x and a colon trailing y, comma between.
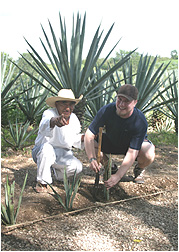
x: 98, y: 160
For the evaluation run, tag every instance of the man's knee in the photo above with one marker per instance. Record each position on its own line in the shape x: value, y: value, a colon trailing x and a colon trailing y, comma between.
x: 47, y: 150
x: 147, y: 153
x: 151, y: 153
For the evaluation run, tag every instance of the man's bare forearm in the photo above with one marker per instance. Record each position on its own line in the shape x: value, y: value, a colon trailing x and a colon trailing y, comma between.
x: 89, y: 144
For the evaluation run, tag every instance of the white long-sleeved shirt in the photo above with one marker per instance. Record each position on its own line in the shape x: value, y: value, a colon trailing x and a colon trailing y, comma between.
x: 63, y: 137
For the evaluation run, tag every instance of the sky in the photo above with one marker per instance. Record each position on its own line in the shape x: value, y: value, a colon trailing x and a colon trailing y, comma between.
x: 151, y: 26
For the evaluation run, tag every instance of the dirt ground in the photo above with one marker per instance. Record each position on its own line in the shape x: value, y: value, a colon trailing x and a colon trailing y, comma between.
x: 161, y: 176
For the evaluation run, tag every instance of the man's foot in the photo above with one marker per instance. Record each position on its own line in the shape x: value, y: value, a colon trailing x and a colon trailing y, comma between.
x: 138, y: 175
x: 41, y: 188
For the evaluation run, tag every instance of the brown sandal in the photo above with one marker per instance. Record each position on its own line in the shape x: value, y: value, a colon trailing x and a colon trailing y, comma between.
x: 40, y: 188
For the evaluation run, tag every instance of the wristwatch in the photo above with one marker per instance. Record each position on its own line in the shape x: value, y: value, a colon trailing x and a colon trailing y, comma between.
x: 91, y: 159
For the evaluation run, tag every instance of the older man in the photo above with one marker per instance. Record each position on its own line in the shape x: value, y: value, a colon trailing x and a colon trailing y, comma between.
x: 59, y: 131
x: 126, y: 133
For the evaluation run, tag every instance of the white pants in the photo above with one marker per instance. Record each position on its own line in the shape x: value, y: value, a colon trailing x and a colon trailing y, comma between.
x: 46, y: 157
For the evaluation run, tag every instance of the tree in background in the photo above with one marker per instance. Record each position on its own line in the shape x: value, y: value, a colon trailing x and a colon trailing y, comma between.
x: 174, y: 54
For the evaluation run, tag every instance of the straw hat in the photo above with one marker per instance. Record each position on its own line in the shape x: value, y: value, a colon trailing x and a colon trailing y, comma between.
x: 63, y: 95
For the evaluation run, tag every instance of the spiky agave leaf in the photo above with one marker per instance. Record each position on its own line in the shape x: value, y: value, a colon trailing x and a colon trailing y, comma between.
x: 148, y: 82
x: 20, y: 197
x: 11, y: 203
x: 170, y: 100
x: 57, y: 196
x: 4, y: 216
x: 67, y: 188
x: 77, y: 185
x: 8, y: 211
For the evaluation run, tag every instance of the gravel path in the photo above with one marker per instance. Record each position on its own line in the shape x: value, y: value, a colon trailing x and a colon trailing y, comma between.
x: 146, y: 224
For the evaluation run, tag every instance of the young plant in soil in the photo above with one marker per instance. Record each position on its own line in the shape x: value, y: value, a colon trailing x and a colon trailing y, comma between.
x: 107, y: 175
x: 8, y: 213
x: 70, y: 191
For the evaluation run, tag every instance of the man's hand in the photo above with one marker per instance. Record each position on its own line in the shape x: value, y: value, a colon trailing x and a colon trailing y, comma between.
x: 113, y: 180
x: 126, y: 164
x: 59, y: 121
x: 95, y: 166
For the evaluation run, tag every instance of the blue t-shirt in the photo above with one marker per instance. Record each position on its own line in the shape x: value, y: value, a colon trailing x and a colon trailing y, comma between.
x: 123, y: 133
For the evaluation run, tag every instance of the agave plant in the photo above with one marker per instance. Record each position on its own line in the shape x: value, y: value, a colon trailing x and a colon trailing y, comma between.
x: 19, y: 135
x: 107, y: 175
x: 149, y: 79
x: 100, y: 96
x: 170, y: 100
x: 68, y: 70
x: 31, y: 100
x: 7, y: 79
x: 8, y: 212
x: 7, y: 89
x: 107, y: 92
x: 70, y: 191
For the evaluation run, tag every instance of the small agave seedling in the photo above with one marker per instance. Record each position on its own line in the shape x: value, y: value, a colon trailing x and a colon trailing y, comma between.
x: 70, y: 191
x: 107, y: 175
x: 8, y: 213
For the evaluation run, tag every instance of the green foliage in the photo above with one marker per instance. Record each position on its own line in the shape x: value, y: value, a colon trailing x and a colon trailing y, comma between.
x: 70, y: 191
x: 8, y: 213
x: 7, y: 72
x: 100, y: 97
x: 21, y: 98
x: 23, y: 64
x: 170, y: 100
x: 172, y: 66
x: 174, y: 54
x: 32, y: 98
x: 163, y: 138
x: 19, y: 134
x: 70, y: 74
x: 7, y: 86
x: 134, y: 58
x: 149, y: 79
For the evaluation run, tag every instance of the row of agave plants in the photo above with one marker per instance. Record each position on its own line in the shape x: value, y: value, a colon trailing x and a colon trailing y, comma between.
x: 23, y: 97
x: 10, y: 209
